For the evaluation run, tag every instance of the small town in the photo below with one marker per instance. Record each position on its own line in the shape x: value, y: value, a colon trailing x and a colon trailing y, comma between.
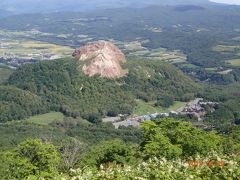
x: 194, y: 108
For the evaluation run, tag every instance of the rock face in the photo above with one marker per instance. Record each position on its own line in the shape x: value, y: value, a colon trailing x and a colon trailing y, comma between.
x: 101, y: 58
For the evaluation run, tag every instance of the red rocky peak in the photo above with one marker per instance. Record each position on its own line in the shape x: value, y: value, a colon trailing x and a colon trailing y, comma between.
x: 103, y: 58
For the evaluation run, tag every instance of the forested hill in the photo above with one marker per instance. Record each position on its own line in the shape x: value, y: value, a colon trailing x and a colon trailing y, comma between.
x: 62, y: 86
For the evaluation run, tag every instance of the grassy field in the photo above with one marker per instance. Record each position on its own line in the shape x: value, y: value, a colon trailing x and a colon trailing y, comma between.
x: 225, y: 48
x: 46, y: 119
x: 12, y: 33
x: 5, y: 73
x: 24, y: 49
x: 225, y: 72
x: 135, y: 48
x: 143, y: 108
x: 52, y: 48
x: 190, y: 66
x: 211, y: 69
x: 234, y: 62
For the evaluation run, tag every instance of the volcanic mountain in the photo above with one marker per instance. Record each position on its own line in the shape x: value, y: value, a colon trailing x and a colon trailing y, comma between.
x: 101, y: 58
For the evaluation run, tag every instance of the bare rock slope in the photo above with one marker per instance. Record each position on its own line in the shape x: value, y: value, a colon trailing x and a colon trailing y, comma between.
x: 101, y: 58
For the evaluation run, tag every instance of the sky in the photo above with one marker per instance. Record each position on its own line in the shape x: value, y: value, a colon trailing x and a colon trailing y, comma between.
x: 35, y: 6
x: 227, y: 1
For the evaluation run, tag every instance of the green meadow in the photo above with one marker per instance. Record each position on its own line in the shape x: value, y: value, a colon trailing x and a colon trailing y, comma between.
x: 234, y: 62
x: 46, y: 119
x: 144, y: 108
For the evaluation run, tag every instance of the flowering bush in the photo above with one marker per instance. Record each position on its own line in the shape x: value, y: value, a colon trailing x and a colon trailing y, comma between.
x: 212, y: 166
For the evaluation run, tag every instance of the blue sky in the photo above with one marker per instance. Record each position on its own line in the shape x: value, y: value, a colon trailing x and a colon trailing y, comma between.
x: 227, y: 1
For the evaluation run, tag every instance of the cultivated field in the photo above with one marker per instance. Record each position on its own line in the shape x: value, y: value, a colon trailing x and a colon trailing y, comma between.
x: 135, y: 48
x: 225, y: 48
x: 234, y: 62
x: 27, y: 50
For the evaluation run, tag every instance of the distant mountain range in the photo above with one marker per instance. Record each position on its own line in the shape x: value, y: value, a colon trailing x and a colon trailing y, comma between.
x: 37, y: 6
x: 233, y: 2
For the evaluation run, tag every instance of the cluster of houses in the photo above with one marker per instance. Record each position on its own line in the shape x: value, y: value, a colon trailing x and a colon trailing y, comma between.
x: 145, y: 117
x: 16, y: 60
x: 135, y: 121
x: 194, y: 108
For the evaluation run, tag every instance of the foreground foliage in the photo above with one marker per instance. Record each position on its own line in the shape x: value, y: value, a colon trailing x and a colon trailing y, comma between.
x: 32, y: 157
x: 212, y: 166
x: 171, y: 139
x: 170, y: 150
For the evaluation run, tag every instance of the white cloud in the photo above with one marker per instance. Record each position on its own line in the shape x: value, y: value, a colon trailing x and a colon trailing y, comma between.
x: 236, y: 2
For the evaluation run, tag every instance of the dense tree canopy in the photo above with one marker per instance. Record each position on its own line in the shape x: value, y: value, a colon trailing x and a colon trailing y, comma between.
x: 172, y: 139
x: 19, y: 104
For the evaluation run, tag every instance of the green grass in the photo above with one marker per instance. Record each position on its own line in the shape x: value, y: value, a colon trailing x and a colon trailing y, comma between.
x: 144, y: 108
x: 136, y: 49
x: 226, y: 48
x: 234, y: 62
x: 211, y: 69
x: 26, y: 49
x: 5, y: 73
x: 46, y: 119
x: 190, y: 66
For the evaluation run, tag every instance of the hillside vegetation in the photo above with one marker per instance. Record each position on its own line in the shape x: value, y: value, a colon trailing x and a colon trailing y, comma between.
x: 19, y: 104
x: 170, y: 149
x: 149, y: 79
x: 61, y: 86
x: 4, y: 73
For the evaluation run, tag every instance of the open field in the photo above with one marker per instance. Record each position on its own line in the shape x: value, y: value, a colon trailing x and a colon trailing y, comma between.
x: 5, y: 73
x: 26, y: 46
x: 188, y: 65
x: 12, y: 33
x: 46, y: 119
x: 20, y: 47
x: 234, y: 62
x: 27, y: 50
x: 144, y: 108
x: 225, y: 72
x: 135, y: 48
x: 211, y: 69
x: 226, y: 48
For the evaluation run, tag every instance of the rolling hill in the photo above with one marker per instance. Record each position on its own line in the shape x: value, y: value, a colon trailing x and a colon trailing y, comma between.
x: 63, y: 87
